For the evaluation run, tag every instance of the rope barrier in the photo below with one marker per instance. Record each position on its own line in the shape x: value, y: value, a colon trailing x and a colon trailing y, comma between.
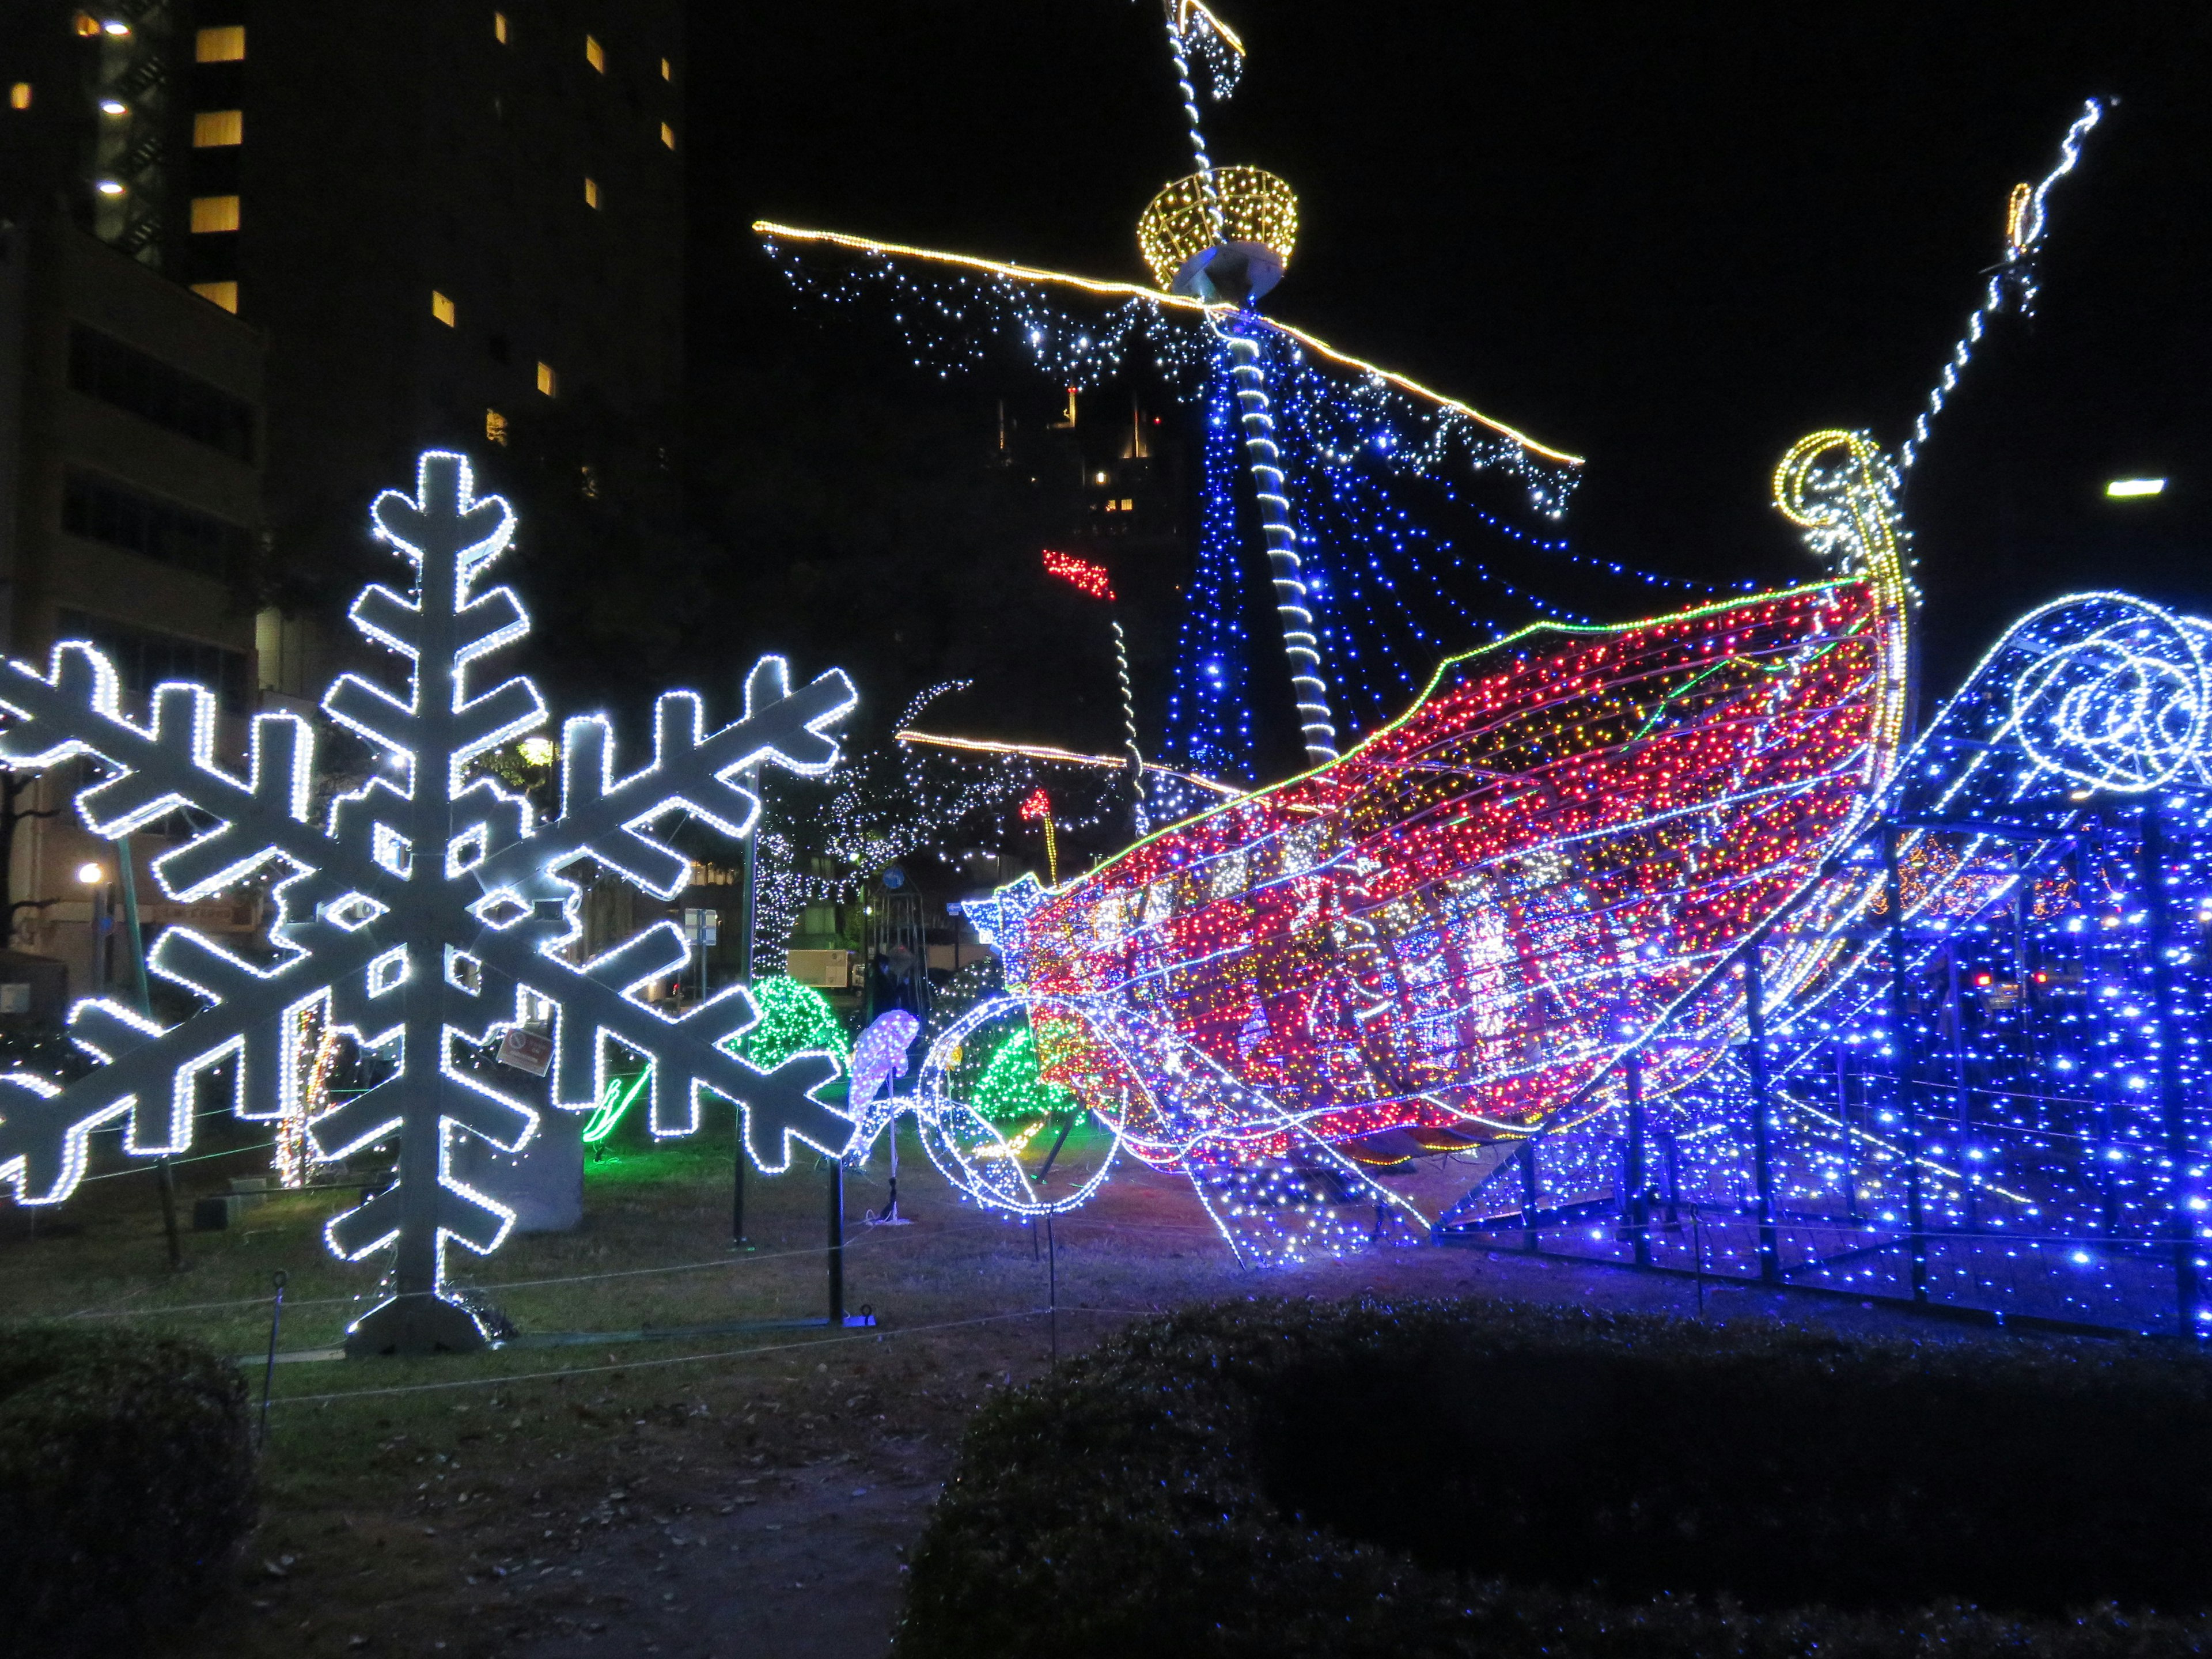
x: 512, y: 1284
x: 196, y: 1157
x: 646, y: 1364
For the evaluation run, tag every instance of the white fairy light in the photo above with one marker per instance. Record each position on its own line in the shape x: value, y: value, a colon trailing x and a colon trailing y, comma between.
x: 427, y: 909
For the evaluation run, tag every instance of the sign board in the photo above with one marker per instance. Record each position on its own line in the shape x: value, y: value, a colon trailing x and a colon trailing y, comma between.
x: 826, y: 970
x: 526, y: 1051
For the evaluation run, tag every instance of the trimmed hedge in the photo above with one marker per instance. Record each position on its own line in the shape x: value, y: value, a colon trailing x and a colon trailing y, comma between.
x: 1542, y: 1483
x: 126, y: 1484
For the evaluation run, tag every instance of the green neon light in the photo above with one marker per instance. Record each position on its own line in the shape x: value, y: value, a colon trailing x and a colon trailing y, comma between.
x: 611, y: 1110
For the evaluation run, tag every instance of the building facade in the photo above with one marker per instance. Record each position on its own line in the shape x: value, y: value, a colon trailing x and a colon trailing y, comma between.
x: 132, y: 447
x: 262, y: 255
x: 459, y: 226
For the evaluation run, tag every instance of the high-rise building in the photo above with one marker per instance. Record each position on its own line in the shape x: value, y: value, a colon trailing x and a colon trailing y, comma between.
x: 458, y: 225
x: 93, y: 119
x: 373, y: 228
x: 131, y: 452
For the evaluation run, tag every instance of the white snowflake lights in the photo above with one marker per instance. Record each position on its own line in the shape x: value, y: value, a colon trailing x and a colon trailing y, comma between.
x: 419, y: 915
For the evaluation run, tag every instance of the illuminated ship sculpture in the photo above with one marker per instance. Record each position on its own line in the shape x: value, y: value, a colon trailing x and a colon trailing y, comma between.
x: 1584, y: 865
x: 1453, y: 929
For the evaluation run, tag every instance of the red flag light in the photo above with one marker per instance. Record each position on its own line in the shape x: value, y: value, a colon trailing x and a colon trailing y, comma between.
x: 1090, y: 578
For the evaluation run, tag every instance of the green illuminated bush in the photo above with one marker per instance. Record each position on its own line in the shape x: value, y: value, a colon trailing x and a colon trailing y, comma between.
x: 793, y: 1017
x: 1523, y: 1482
x: 126, y: 1484
x: 1010, y: 1087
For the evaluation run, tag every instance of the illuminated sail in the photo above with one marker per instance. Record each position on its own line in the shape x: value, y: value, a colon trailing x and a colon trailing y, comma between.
x: 1464, y: 921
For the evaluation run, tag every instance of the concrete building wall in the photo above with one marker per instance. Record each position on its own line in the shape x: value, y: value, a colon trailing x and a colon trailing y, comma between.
x: 123, y: 576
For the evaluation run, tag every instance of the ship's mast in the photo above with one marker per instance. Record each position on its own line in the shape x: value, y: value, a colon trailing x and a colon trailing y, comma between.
x: 1233, y: 276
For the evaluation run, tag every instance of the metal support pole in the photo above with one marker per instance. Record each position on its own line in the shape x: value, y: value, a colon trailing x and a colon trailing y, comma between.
x: 1137, y: 815
x: 1698, y: 1254
x: 1762, y: 1150
x: 748, y: 859
x: 837, y: 1244
x: 1633, y: 1173
x: 1900, y: 1039
x: 2188, y: 1309
x: 1967, y: 1179
x: 126, y: 879
x: 1052, y: 1293
x: 1529, y: 1239
x: 165, y: 1178
x: 165, y: 1173
x: 1055, y: 1153
x: 103, y: 905
x: 1844, y: 1117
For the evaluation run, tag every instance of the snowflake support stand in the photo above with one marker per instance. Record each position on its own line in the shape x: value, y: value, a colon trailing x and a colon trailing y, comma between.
x: 428, y: 910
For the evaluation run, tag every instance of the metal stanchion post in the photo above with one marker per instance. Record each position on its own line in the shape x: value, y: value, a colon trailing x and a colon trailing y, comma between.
x: 748, y: 861
x: 837, y: 1244
x: 2173, y: 1094
x: 1901, y: 1046
x: 268, y: 1370
x: 1531, y: 1240
x: 1698, y: 1254
x: 1633, y: 1176
x: 1762, y: 1129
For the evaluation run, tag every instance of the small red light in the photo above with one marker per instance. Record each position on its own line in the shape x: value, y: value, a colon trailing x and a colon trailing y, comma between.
x: 1090, y: 578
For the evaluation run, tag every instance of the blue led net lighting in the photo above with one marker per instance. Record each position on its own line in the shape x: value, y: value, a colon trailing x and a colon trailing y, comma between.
x: 1209, y: 707
x: 2017, y: 1122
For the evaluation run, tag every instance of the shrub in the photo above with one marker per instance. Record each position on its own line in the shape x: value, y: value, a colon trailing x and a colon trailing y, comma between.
x: 126, y: 1477
x: 1526, y: 1483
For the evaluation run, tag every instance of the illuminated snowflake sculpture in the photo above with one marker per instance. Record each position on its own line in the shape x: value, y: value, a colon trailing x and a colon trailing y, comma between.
x: 427, y: 911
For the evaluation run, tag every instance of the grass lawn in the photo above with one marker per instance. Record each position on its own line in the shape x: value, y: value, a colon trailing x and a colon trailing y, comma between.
x: 744, y: 1493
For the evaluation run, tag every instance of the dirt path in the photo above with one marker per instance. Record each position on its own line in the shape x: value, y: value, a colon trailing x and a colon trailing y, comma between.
x: 744, y: 1496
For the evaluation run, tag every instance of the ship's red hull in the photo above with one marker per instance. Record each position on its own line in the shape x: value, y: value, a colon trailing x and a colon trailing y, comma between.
x: 1458, y: 925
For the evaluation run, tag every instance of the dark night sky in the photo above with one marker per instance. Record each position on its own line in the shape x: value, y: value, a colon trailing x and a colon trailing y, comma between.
x: 1672, y: 238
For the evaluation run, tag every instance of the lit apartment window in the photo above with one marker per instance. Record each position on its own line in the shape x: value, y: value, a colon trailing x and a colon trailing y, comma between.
x: 499, y: 27
x: 667, y: 71
x: 591, y: 193
x: 594, y: 54
x: 668, y: 135
x: 19, y: 95
x: 213, y: 213
x: 220, y: 46
x: 222, y: 293
x: 441, y: 308
x: 545, y: 378
x: 217, y: 129
x: 495, y: 427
